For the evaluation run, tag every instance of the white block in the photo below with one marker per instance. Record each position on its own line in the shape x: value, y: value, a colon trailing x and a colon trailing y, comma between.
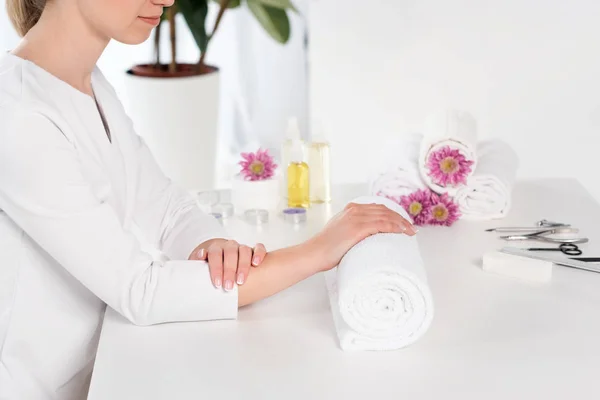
x: 522, y: 268
x: 246, y: 195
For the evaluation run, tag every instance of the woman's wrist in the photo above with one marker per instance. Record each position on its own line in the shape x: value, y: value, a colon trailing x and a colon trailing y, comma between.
x: 316, y: 253
x: 280, y: 269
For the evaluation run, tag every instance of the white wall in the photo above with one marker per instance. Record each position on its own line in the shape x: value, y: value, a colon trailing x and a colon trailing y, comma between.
x: 8, y: 36
x: 529, y: 71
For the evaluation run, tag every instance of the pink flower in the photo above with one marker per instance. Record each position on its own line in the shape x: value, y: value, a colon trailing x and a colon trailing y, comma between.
x: 448, y: 167
x: 443, y: 210
x: 417, y: 205
x: 257, y: 166
x: 428, y: 208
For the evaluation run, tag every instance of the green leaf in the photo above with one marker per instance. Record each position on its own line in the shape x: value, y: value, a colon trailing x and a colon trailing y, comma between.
x: 165, y: 15
x: 274, y: 20
x: 194, y: 12
x: 232, y: 3
x: 283, y: 4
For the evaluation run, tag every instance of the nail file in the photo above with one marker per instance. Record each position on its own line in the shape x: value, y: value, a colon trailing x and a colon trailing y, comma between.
x: 558, y: 259
x: 519, y: 267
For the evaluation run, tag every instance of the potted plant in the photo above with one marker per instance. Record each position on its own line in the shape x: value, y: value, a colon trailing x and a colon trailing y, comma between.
x: 174, y: 106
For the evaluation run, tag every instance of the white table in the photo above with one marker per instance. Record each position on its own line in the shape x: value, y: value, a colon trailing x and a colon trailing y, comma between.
x: 492, y: 337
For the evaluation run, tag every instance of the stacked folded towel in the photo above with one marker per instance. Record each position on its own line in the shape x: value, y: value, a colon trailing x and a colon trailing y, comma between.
x: 396, y: 173
x: 448, y: 155
x: 474, y: 178
x: 379, y: 295
x: 487, y: 193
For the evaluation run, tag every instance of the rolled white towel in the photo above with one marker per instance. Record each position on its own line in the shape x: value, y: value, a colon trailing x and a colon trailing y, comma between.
x: 487, y: 194
x: 396, y: 172
x: 450, y: 128
x: 379, y: 295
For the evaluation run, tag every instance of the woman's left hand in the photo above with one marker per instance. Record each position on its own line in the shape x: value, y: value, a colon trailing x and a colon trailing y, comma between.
x: 228, y: 261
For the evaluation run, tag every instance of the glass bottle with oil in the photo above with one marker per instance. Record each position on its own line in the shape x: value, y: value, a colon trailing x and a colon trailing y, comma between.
x: 292, y: 135
x: 298, y: 177
x: 320, y: 175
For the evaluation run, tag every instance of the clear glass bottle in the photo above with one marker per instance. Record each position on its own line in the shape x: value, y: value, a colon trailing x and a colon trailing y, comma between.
x: 320, y: 170
x: 298, y: 177
x: 292, y: 134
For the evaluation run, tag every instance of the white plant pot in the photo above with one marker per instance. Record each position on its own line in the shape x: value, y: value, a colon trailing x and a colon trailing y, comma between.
x: 178, y: 119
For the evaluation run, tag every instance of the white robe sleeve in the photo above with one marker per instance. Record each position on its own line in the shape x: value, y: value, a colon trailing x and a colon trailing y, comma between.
x: 168, y: 215
x: 43, y: 189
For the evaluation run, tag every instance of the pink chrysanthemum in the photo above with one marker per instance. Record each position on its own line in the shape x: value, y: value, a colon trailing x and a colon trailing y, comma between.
x: 448, y: 167
x: 443, y: 210
x: 417, y: 205
x: 257, y: 166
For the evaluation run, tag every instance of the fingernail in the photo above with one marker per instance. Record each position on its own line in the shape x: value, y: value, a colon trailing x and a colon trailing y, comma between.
x: 228, y: 285
x: 255, y: 261
x: 217, y: 283
x: 240, y: 279
x: 201, y: 253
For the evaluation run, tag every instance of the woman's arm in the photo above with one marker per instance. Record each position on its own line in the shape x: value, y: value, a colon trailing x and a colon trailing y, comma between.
x: 283, y: 268
x: 279, y: 270
x: 43, y: 189
x: 168, y: 215
x: 172, y: 221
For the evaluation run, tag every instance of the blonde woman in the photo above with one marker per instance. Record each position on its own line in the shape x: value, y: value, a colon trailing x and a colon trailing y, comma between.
x: 75, y: 179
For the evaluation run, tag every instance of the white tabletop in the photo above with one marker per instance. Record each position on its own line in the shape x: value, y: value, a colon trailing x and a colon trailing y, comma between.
x: 492, y: 337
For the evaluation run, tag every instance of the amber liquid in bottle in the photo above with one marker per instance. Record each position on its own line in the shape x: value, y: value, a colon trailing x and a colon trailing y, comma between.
x: 298, y: 179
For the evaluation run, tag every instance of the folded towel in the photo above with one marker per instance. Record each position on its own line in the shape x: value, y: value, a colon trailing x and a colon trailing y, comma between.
x: 378, y: 293
x: 396, y: 172
x: 487, y: 194
x: 456, y: 131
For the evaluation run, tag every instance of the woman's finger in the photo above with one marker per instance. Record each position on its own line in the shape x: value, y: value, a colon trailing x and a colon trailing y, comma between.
x: 243, y: 269
x: 230, y: 263
x: 259, y: 254
x: 351, y: 206
x: 386, y: 225
x: 201, y: 254
x: 215, y: 264
x: 407, y: 227
x: 381, y: 211
x: 371, y: 225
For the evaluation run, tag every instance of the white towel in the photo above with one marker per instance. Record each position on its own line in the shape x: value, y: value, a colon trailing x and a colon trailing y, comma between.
x: 487, y: 194
x: 379, y: 295
x: 396, y: 172
x: 456, y: 129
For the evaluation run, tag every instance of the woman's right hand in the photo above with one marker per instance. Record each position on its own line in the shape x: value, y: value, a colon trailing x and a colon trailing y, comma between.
x: 355, y: 223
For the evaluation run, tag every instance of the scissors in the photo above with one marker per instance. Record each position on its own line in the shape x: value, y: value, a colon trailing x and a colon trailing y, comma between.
x: 543, y: 236
x: 569, y: 249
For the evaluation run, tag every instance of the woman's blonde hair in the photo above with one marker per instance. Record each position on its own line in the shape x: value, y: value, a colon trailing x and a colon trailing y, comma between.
x: 24, y: 14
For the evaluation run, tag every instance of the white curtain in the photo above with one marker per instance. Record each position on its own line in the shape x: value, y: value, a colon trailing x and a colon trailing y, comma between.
x: 263, y: 83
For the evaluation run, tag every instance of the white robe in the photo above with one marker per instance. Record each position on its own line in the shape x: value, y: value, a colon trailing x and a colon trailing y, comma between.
x: 69, y: 200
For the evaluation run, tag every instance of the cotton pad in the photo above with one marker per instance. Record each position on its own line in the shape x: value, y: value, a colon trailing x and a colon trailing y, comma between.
x: 522, y: 268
